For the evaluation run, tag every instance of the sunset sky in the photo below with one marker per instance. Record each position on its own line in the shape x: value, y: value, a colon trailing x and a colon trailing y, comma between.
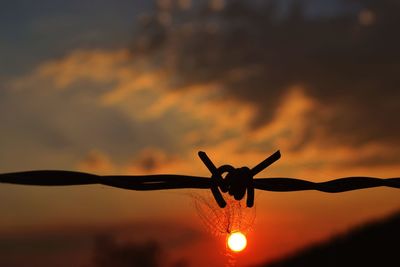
x: 136, y: 87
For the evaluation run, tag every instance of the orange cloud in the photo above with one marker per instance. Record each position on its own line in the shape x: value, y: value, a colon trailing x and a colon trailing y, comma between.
x: 204, y: 116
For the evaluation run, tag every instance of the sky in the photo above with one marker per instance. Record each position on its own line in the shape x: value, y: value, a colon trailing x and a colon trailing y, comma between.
x: 137, y: 87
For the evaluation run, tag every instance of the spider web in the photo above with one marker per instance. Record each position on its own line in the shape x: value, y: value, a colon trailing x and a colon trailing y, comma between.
x: 221, y: 221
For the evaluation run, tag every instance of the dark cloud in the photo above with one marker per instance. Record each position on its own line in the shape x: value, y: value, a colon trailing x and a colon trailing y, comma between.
x: 139, y: 244
x: 33, y: 32
x: 110, y: 253
x: 347, y: 61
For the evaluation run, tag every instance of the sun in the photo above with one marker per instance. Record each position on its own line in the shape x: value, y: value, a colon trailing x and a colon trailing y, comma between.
x: 237, y: 241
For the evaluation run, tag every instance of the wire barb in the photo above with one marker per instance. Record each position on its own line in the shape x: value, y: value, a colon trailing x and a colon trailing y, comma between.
x: 216, y: 179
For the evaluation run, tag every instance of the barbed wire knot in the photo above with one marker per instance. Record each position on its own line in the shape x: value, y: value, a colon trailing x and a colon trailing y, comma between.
x: 237, y: 180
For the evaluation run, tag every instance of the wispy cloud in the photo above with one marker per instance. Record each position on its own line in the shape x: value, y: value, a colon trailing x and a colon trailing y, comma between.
x: 138, y: 122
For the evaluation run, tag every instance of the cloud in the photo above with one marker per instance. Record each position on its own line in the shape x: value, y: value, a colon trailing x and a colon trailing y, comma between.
x: 344, y: 66
x: 132, y: 121
x: 96, y: 161
x: 152, y: 111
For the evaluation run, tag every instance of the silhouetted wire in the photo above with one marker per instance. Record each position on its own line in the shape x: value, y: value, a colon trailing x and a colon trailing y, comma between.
x: 236, y: 182
x: 171, y: 181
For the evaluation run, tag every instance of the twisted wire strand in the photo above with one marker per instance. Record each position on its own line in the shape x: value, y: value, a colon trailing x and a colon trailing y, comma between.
x: 236, y: 182
x: 172, y: 181
x: 132, y: 182
x: 333, y: 186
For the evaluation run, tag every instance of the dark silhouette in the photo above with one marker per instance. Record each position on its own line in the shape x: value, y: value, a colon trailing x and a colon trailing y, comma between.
x: 108, y: 252
x: 371, y: 245
x: 236, y: 182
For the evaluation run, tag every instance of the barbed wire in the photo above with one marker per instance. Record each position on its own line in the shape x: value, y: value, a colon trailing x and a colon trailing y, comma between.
x: 237, y: 182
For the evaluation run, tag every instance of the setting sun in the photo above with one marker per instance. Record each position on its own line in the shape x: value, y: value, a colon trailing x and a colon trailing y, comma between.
x: 237, y: 241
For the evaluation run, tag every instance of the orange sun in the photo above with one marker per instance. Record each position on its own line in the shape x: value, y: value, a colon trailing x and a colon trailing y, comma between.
x: 237, y: 241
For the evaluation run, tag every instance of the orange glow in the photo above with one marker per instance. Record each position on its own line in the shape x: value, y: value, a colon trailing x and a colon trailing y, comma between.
x: 237, y: 241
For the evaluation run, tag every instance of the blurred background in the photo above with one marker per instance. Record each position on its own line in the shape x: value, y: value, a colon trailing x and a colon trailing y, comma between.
x: 138, y: 87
